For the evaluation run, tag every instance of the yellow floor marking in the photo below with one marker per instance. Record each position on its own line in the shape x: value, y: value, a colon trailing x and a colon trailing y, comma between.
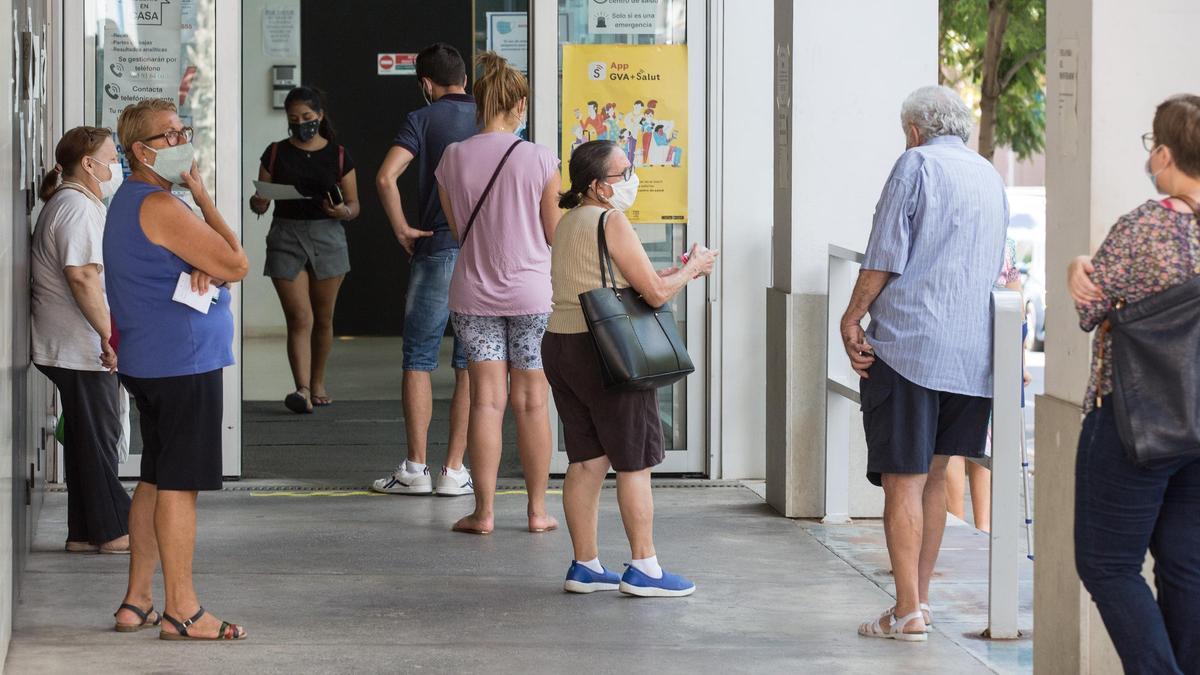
x: 366, y: 493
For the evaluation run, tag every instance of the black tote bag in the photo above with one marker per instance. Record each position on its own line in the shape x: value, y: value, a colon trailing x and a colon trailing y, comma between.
x: 638, y: 346
x: 1156, y: 382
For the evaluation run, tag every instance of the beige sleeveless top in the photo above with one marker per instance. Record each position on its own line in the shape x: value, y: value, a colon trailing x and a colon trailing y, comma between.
x: 575, y: 268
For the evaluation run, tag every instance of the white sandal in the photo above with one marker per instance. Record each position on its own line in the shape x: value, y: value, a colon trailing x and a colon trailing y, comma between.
x: 928, y: 613
x: 896, y: 630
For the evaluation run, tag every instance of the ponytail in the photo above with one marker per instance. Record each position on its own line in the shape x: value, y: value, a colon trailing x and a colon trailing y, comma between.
x: 70, y: 151
x: 499, y: 89
x: 588, y: 164
x: 49, y: 184
x: 313, y: 98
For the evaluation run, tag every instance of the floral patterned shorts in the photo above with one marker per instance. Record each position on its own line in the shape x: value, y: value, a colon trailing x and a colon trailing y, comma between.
x: 515, y: 339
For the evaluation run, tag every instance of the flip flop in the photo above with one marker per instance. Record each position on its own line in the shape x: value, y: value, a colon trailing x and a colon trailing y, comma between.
x: 144, y: 615
x: 297, y: 403
x: 228, y: 631
x: 539, y: 530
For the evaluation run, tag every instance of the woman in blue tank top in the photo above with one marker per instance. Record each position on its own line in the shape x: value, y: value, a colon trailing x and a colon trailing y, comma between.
x: 170, y: 355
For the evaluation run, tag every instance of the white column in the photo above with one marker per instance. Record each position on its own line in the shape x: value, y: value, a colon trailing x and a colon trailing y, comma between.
x: 837, y: 133
x: 1109, y: 63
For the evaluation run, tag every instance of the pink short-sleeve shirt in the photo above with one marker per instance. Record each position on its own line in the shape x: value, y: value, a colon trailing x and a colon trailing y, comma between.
x: 503, y: 266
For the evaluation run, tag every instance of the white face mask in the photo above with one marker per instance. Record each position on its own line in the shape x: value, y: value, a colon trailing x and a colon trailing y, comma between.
x: 171, y: 163
x: 624, y: 193
x: 116, y: 177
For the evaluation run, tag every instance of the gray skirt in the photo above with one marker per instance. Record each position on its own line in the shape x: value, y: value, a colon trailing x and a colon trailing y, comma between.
x: 319, y: 245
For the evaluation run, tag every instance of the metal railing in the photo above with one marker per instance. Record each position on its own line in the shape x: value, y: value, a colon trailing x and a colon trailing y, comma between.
x: 841, y: 396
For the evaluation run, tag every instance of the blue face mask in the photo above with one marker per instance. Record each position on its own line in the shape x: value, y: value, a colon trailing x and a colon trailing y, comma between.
x: 1150, y: 173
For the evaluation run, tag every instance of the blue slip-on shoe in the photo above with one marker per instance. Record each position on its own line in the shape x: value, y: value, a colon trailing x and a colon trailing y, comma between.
x: 636, y: 582
x: 581, y: 579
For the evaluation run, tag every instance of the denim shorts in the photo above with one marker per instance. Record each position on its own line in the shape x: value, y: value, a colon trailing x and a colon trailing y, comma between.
x: 427, y: 309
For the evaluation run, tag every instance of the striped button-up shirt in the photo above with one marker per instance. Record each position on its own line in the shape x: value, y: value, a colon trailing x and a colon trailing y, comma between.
x: 939, y: 229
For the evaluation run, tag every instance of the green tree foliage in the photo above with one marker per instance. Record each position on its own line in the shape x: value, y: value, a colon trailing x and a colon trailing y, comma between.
x: 998, y: 49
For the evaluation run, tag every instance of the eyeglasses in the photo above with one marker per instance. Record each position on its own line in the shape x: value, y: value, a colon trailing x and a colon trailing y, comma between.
x: 1148, y: 141
x: 624, y: 175
x: 173, y: 137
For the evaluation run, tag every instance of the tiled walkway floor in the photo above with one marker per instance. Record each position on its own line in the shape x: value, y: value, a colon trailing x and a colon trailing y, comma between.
x: 348, y: 582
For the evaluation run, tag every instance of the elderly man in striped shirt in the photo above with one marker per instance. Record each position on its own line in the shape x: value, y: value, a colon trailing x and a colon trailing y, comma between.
x: 936, y: 248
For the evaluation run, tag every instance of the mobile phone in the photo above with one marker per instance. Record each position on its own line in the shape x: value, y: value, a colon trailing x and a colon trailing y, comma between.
x: 334, y: 195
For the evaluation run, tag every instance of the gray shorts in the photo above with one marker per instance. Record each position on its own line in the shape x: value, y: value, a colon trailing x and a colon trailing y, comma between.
x: 515, y: 339
x: 318, y: 245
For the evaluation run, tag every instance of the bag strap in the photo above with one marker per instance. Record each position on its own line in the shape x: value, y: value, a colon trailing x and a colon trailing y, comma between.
x: 271, y: 161
x: 1191, y: 203
x: 605, y: 258
x: 487, y: 190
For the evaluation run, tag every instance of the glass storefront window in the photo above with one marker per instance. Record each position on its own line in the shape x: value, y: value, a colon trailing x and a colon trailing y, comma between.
x: 156, y: 50
x: 650, y: 143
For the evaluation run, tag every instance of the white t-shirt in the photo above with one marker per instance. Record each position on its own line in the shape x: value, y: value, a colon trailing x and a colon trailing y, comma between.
x: 69, y: 233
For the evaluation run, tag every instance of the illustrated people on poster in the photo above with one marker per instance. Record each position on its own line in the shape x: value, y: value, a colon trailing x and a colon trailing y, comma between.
x: 664, y: 152
x: 612, y: 122
x: 647, y: 131
x: 577, y: 131
x: 633, y: 120
x: 594, y: 124
x: 628, y: 143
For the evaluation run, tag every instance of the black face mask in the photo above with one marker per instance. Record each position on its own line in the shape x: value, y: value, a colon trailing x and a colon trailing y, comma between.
x: 304, y: 131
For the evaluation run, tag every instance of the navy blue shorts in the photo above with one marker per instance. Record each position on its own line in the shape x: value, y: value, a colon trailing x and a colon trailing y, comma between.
x: 181, y: 423
x: 427, y: 310
x: 907, y: 424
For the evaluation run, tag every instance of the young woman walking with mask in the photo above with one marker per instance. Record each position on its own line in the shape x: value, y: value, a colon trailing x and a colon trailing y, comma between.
x: 307, y: 254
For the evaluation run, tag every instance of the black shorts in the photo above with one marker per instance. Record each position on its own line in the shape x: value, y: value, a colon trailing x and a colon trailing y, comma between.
x: 907, y: 424
x: 621, y: 425
x: 180, y: 419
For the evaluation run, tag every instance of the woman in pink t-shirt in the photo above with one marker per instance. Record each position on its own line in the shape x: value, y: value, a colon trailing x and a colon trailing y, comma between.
x: 500, y: 195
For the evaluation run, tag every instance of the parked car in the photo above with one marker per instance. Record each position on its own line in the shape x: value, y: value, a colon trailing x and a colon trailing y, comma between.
x: 1027, y: 227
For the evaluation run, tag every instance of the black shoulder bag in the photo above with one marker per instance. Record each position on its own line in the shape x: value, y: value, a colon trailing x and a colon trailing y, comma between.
x: 486, y: 191
x: 638, y: 345
x: 1156, y: 379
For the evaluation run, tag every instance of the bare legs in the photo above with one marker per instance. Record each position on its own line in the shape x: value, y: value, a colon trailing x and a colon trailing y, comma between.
x: 980, y: 480
x: 308, y: 306
x: 489, y: 387
x: 162, y: 525
x: 418, y: 412
x: 581, y: 502
x: 914, y: 519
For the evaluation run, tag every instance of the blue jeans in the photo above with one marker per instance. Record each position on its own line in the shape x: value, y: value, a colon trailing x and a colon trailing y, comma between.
x: 1120, y: 512
x: 427, y: 309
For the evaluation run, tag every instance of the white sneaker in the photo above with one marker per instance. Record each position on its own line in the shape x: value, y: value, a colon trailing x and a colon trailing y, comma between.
x: 405, y: 482
x: 455, y: 483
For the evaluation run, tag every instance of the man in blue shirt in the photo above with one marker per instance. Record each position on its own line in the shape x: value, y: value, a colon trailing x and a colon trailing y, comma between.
x: 448, y: 117
x: 936, y: 249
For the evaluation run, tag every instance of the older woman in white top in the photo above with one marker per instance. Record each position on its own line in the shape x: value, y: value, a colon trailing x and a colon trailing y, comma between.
x: 71, y: 333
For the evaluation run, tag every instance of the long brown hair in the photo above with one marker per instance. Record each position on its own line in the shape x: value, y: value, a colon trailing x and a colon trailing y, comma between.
x: 70, y: 151
x: 1177, y: 126
x: 499, y: 89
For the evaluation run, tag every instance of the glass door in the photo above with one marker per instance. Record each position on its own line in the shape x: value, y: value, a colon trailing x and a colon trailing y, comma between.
x: 635, y: 73
x: 134, y: 50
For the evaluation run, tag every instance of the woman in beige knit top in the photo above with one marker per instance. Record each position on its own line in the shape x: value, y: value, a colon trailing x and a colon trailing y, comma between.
x: 603, y: 429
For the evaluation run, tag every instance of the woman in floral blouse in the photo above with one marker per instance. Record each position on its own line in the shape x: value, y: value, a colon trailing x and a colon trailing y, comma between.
x: 1120, y: 509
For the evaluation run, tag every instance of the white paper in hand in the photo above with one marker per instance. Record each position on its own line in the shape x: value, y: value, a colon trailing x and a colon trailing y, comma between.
x: 184, y: 294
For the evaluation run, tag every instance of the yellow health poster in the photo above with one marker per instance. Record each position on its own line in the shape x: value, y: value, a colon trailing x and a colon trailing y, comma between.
x: 635, y: 96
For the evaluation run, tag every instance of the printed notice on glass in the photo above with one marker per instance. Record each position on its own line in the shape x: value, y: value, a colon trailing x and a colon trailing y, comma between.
x: 508, y: 36
x: 141, y: 54
x: 624, y: 17
x: 281, y: 32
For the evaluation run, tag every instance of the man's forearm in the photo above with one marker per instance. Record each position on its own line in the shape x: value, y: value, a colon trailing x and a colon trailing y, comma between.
x: 393, y: 206
x: 868, y: 287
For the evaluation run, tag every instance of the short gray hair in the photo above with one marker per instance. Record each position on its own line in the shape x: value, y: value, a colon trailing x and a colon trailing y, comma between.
x: 937, y: 111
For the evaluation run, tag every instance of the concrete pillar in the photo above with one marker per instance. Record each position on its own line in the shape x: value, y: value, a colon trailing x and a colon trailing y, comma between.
x: 837, y: 133
x: 1109, y: 63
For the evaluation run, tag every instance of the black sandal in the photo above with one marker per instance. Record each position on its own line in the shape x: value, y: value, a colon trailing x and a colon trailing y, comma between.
x: 228, y: 631
x: 144, y: 615
x: 298, y: 403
